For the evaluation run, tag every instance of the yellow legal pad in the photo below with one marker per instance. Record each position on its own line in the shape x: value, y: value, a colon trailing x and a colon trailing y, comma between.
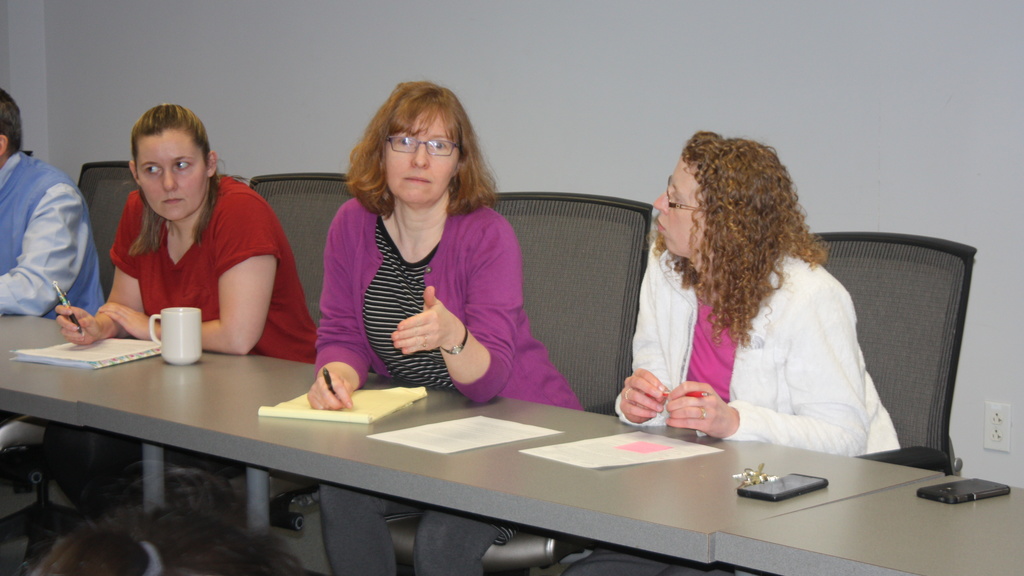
x: 367, y: 406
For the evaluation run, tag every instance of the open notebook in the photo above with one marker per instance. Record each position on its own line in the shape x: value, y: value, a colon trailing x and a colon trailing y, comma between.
x: 96, y: 355
x: 367, y: 406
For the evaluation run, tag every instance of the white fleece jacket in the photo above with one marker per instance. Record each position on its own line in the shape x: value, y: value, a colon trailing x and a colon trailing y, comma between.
x: 800, y: 382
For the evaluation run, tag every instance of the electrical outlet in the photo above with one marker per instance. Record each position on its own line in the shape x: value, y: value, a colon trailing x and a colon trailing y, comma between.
x: 998, y: 426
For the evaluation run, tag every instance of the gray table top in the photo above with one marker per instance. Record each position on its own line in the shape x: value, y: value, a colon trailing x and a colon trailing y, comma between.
x: 885, y: 533
x: 670, y: 507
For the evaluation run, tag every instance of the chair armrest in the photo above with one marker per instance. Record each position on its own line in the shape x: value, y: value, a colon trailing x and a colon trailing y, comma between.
x: 524, y: 550
x: 21, y: 431
x: 914, y: 456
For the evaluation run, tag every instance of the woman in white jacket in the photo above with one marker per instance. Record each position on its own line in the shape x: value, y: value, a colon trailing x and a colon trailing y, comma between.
x: 741, y: 333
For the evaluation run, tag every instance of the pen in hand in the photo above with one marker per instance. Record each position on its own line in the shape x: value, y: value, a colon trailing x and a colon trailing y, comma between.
x: 64, y: 302
x: 697, y: 394
x: 327, y: 380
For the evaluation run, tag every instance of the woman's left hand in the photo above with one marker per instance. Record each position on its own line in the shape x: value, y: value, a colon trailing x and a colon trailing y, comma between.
x: 695, y: 405
x: 433, y: 327
x: 131, y: 320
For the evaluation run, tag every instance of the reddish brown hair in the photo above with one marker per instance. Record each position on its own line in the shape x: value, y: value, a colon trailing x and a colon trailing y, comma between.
x: 411, y: 107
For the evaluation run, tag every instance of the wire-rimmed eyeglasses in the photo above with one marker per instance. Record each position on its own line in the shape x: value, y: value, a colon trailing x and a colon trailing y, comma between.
x: 678, y: 205
x: 409, y: 145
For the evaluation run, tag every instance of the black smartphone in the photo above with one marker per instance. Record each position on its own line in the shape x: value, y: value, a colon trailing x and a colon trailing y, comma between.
x: 963, y: 490
x: 786, y: 487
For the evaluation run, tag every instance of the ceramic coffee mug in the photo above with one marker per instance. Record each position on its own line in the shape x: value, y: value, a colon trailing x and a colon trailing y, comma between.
x: 181, y: 328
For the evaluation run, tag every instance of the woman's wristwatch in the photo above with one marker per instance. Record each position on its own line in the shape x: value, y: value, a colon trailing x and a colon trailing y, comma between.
x: 457, y: 348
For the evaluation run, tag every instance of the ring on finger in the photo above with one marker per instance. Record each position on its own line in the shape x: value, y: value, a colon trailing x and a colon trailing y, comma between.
x: 703, y: 413
x: 625, y: 394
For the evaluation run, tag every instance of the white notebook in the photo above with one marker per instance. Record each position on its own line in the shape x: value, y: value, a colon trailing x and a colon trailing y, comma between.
x: 96, y: 355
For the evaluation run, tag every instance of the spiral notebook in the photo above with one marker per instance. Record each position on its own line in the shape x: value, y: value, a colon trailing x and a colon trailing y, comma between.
x: 100, y: 354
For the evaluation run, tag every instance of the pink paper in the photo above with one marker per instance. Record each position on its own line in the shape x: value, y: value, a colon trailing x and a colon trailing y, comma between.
x: 643, y: 447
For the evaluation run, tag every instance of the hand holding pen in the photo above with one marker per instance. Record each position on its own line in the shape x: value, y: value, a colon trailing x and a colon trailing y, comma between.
x: 688, y: 409
x: 695, y: 405
x: 643, y: 396
x: 64, y: 302
x: 334, y: 392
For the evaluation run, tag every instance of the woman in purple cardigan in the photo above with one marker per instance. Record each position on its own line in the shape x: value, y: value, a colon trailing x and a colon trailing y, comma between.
x: 423, y: 282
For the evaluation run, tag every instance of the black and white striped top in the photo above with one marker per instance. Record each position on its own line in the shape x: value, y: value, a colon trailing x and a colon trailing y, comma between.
x: 394, y: 294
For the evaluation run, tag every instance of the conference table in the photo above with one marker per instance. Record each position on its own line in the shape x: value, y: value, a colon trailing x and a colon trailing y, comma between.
x: 891, y: 532
x: 679, y: 508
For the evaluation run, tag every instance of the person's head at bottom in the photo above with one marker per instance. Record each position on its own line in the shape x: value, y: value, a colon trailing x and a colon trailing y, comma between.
x: 194, y: 534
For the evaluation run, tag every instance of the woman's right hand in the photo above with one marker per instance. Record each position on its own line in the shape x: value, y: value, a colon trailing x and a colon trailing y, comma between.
x: 343, y: 380
x: 643, y: 396
x: 90, y: 332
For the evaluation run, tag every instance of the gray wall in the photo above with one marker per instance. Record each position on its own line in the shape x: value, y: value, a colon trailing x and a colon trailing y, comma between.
x: 5, y: 45
x: 24, y: 68
x: 895, y: 116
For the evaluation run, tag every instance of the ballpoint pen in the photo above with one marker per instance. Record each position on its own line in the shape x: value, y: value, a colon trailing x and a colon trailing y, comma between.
x: 697, y: 394
x: 64, y: 302
x: 327, y: 380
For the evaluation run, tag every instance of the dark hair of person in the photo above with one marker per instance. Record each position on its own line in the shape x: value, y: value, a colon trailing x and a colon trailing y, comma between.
x: 749, y: 220
x: 10, y: 122
x: 155, y: 122
x: 197, y: 532
x: 412, y: 107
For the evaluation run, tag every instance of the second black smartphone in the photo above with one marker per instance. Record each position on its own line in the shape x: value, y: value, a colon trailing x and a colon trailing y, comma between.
x: 959, y: 491
x: 788, y: 486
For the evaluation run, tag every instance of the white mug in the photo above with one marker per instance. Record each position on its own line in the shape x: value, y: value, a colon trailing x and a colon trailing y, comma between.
x: 182, y: 334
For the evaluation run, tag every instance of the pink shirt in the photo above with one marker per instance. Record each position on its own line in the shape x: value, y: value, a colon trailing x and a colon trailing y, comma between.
x: 711, y: 363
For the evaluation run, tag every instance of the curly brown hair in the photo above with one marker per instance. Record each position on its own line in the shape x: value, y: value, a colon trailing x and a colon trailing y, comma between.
x: 750, y: 220
x: 412, y: 106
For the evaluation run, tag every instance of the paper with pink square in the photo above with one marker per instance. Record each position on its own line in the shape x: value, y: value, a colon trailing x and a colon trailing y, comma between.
x: 643, y: 447
x: 621, y: 450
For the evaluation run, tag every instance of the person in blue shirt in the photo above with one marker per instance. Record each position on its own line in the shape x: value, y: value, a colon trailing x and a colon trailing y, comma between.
x: 45, y: 235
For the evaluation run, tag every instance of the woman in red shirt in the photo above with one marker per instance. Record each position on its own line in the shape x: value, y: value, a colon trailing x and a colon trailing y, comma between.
x: 191, y: 237
x: 188, y: 237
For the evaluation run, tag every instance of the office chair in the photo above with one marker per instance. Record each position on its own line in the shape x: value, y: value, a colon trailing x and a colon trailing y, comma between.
x: 583, y: 262
x: 910, y: 294
x: 305, y: 203
x: 22, y: 462
x: 105, y: 186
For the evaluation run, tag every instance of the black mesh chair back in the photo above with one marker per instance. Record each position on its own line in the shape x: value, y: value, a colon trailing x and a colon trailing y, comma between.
x: 105, y: 186
x: 305, y: 203
x: 583, y: 260
x: 910, y: 293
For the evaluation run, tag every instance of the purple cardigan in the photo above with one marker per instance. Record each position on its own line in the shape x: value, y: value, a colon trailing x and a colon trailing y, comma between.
x: 478, y: 274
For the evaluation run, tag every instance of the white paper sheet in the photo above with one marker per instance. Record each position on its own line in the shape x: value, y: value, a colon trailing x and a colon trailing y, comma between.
x: 620, y: 450
x: 465, y: 434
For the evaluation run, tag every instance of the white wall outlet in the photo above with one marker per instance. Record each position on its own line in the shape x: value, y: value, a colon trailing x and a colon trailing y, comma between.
x: 998, y: 426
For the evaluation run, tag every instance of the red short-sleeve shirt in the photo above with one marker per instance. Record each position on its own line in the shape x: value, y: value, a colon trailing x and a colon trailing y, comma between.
x: 243, y: 226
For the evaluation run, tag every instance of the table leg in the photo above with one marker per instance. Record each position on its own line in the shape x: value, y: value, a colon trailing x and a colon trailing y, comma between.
x: 257, y: 494
x: 152, y: 476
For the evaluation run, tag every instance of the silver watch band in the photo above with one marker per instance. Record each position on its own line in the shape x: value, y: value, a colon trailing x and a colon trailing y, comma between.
x: 457, y: 348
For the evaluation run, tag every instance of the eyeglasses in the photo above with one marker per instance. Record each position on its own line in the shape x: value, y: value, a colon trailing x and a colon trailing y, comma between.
x: 409, y: 145
x: 678, y: 205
